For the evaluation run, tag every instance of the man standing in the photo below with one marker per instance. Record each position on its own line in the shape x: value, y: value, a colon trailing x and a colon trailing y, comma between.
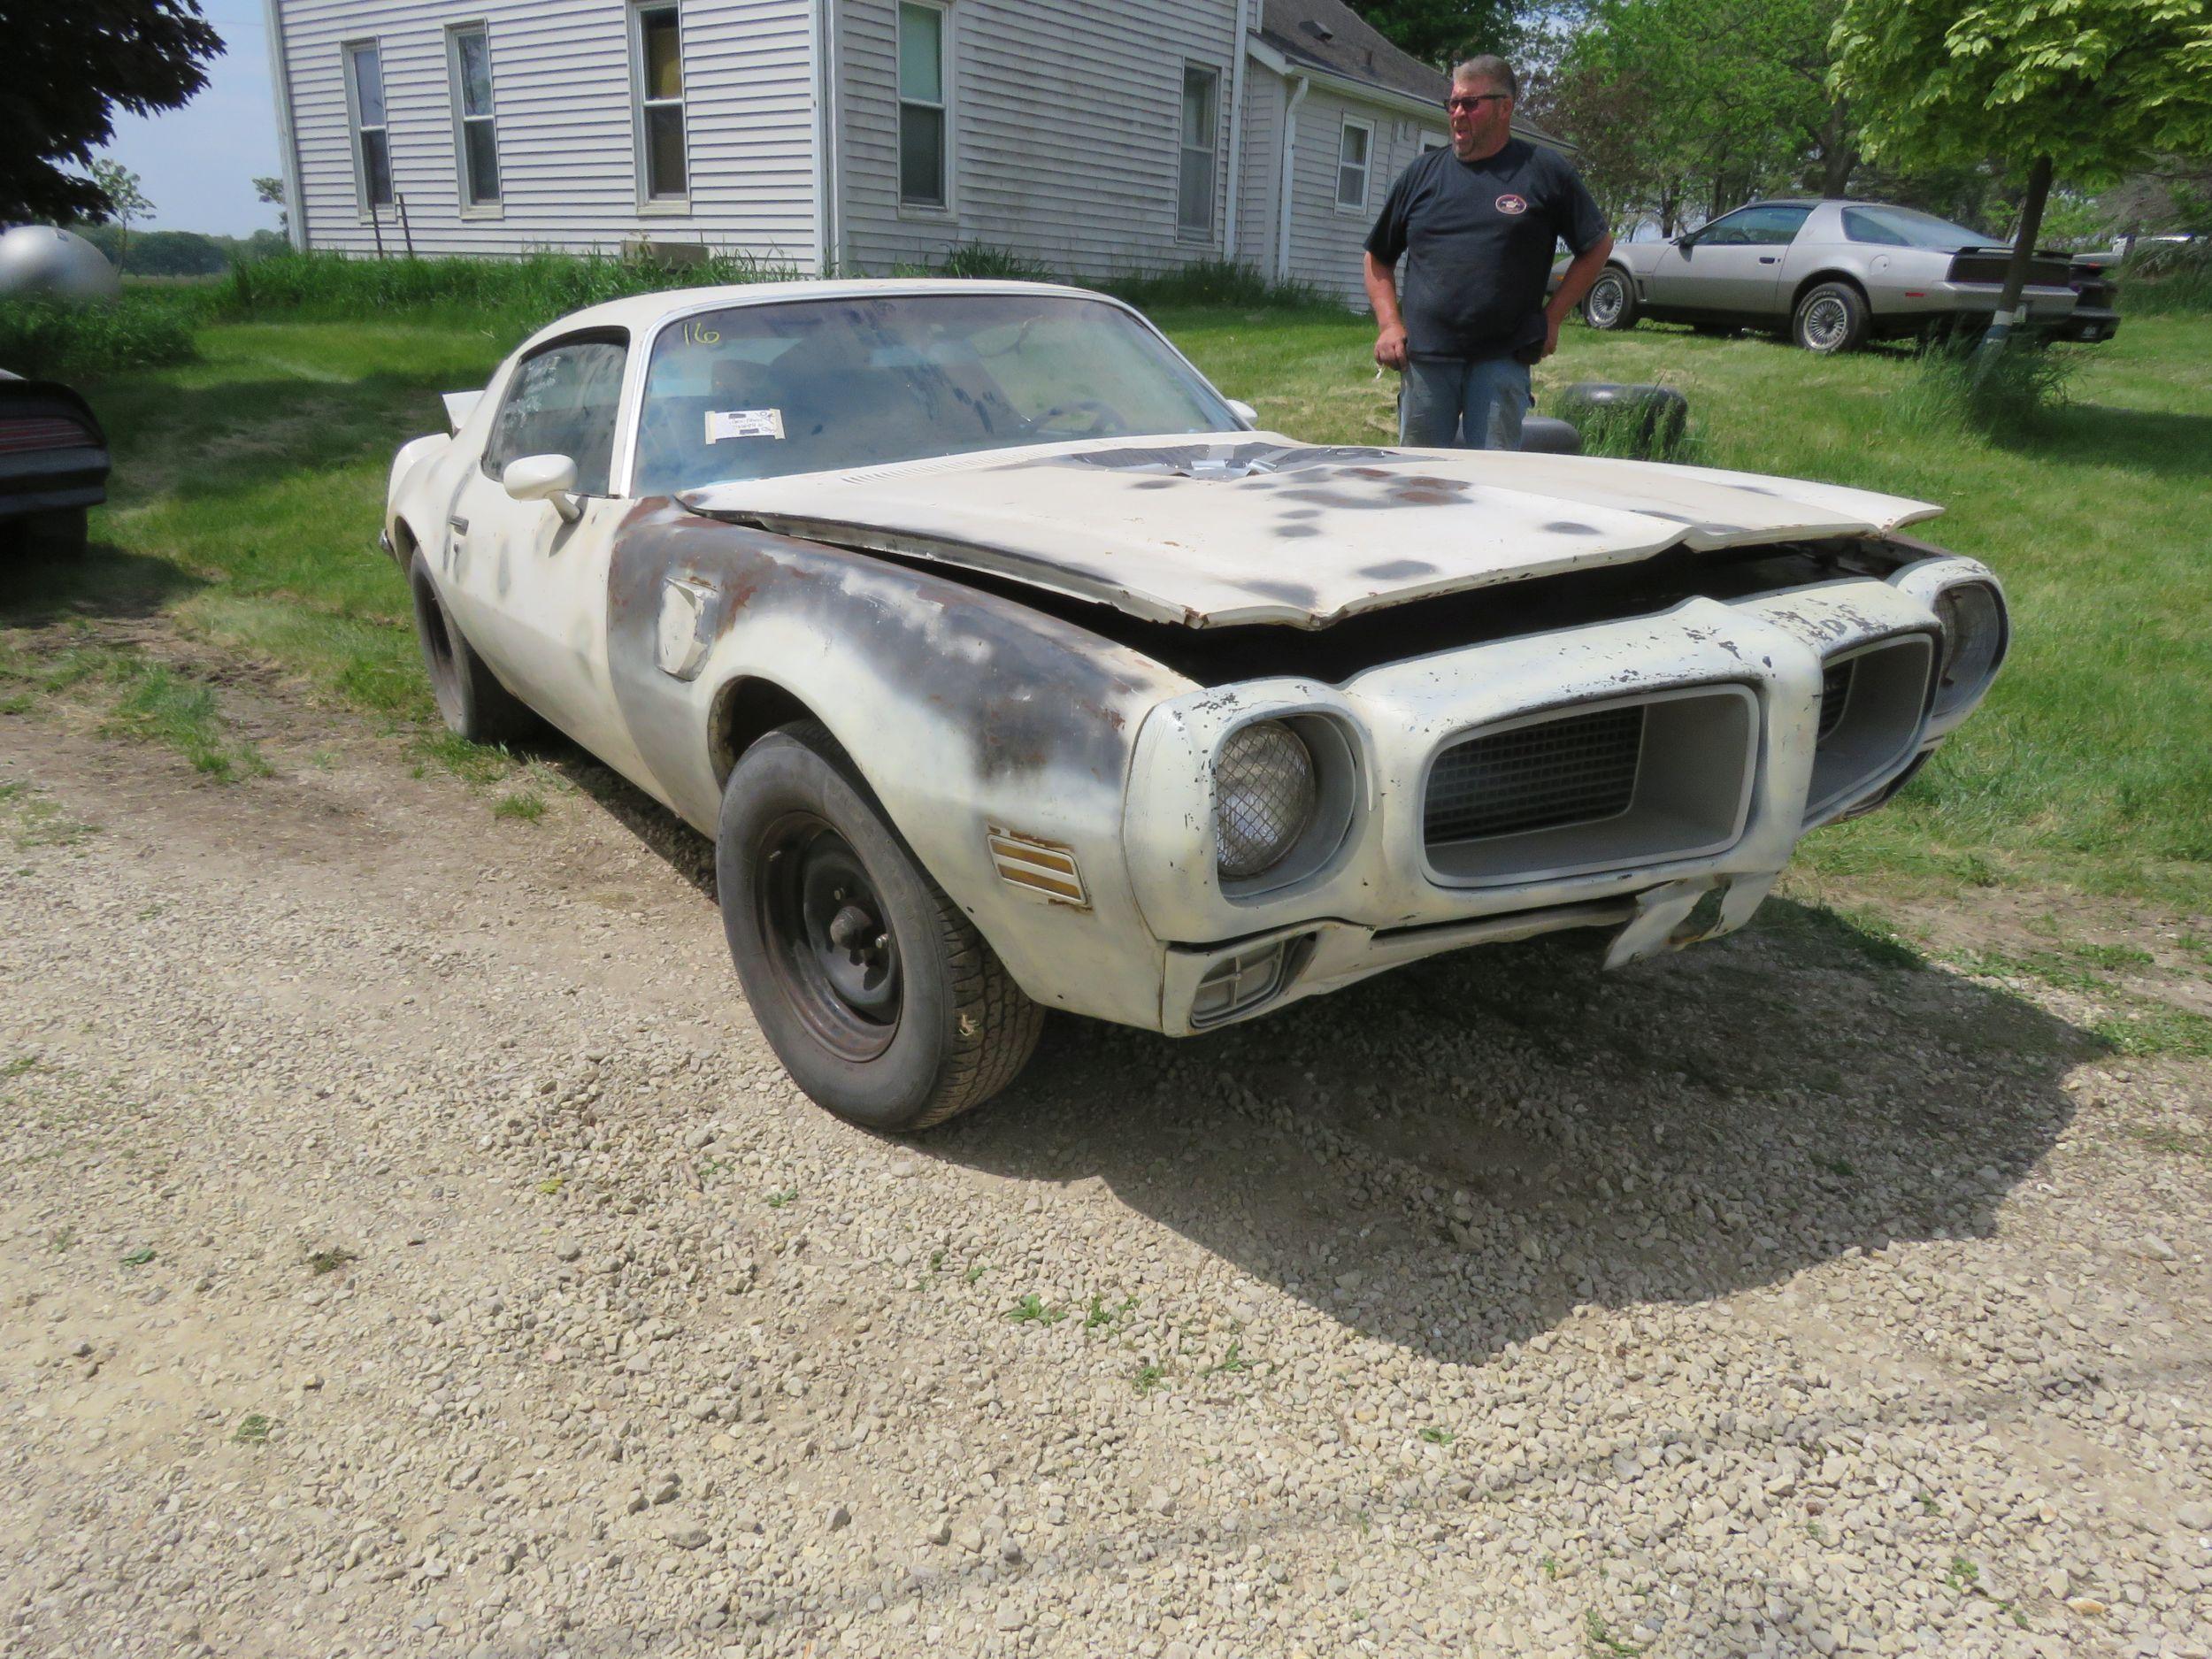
x: 1476, y: 224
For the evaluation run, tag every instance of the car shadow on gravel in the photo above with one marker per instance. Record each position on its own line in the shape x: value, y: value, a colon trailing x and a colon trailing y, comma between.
x: 1495, y: 1137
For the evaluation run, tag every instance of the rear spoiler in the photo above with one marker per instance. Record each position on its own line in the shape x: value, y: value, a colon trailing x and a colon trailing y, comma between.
x: 458, y: 407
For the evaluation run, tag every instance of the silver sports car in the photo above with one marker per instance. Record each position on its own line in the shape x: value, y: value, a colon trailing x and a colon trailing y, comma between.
x: 1836, y: 273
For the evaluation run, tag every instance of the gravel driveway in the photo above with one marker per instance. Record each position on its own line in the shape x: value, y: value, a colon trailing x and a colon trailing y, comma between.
x: 408, y: 1245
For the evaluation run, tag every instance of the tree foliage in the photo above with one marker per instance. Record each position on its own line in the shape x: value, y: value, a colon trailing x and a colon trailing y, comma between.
x: 69, y: 67
x: 1446, y: 31
x: 1682, y: 108
x: 2101, y: 87
x: 2080, y: 90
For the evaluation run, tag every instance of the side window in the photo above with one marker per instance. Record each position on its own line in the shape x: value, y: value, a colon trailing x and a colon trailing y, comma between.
x: 371, y: 142
x: 922, y: 104
x: 656, y: 70
x: 563, y: 401
x: 1773, y: 226
x: 1351, y: 162
x: 1195, y: 188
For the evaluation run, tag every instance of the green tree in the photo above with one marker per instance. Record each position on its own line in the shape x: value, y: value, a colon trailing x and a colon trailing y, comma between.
x: 1684, y: 108
x: 1444, y: 32
x: 270, y: 189
x: 69, y: 67
x: 2086, y: 90
x: 127, y: 202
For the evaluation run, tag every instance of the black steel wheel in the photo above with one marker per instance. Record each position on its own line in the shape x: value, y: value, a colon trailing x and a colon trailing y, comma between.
x: 470, y: 701
x: 876, y: 992
x: 1611, y: 301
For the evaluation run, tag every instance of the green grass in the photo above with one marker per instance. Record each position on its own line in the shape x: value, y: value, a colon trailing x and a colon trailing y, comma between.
x: 44, y: 339
x: 249, y: 483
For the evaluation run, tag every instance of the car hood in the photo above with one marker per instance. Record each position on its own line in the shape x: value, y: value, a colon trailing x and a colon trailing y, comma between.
x: 1249, y: 527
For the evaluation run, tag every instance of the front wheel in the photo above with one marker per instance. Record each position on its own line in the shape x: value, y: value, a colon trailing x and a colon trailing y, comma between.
x: 1831, y: 318
x: 1611, y: 302
x: 877, y: 993
x: 470, y: 701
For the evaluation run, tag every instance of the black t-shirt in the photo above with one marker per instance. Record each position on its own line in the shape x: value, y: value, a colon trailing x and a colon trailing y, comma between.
x: 1481, y: 234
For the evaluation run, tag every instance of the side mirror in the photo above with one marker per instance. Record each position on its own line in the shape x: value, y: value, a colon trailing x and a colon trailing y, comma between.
x: 544, y: 477
x: 1686, y: 240
x: 1244, y: 411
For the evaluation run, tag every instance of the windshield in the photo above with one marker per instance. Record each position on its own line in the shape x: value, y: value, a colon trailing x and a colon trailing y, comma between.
x: 759, y: 391
x: 1909, y: 228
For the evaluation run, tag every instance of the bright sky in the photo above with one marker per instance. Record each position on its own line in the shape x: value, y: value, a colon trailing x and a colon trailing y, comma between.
x: 196, y: 165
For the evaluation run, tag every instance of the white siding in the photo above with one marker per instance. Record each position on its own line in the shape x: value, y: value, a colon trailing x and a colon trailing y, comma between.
x: 1065, y: 132
x: 561, y: 88
x: 1327, y: 241
x: 1263, y: 168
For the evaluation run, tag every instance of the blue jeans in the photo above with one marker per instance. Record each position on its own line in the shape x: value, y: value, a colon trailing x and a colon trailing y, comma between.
x: 1449, y: 402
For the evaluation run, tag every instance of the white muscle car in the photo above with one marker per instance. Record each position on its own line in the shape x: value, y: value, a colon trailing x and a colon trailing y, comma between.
x: 1011, y: 670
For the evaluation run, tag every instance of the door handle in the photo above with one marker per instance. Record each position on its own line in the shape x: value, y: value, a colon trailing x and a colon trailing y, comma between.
x: 1770, y: 258
x: 458, y: 524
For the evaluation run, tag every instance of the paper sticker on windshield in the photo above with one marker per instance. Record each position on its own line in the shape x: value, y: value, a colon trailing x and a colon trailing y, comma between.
x: 743, y: 423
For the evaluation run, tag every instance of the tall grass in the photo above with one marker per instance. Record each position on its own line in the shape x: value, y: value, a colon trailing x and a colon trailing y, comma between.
x: 2163, y: 279
x: 2012, y: 394
x: 527, y: 291
x: 43, y: 339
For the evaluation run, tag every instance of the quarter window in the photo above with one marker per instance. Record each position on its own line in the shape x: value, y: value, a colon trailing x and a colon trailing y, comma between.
x: 1351, y: 163
x: 921, y: 105
x: 470, y: 67
x: 1195, y: 191
x: 372, y: 144
x: 658, y: 69
x: 563, y: 401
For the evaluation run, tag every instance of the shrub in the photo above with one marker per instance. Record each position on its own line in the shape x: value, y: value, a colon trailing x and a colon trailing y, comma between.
x: 1215, y: 282
x: 984, y: 262
x: 43, y: 339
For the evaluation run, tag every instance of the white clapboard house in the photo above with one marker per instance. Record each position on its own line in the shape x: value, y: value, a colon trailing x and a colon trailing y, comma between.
x: 1095, y: 136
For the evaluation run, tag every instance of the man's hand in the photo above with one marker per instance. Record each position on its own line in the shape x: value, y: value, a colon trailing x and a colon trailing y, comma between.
x: 1390, y: 346
x: 1551, y: 336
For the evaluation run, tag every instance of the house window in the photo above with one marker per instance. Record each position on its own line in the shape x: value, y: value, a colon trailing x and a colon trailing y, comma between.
x: 476, y: 137
x: 1351, y: 163
x: 1194, y: 194
x: 921, y: 104
x: 658, y: 72
x: 372, y: 145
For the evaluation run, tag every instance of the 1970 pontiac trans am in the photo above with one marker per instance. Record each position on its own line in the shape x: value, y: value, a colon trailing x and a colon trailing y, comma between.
x: 1011, y: 670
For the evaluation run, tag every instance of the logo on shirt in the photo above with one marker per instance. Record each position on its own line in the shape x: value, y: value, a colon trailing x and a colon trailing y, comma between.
x: 1512, y: 204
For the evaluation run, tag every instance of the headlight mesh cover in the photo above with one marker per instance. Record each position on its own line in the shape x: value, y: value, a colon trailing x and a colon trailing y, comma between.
x: 1264, y: 796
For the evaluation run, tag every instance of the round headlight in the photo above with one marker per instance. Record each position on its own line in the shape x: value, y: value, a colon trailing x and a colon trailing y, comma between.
x: 1973, y: 640
x: 1264, y: 796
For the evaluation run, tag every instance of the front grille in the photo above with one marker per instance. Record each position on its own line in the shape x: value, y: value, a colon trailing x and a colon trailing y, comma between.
x: 1835, y: 696
x: 1573, y: 770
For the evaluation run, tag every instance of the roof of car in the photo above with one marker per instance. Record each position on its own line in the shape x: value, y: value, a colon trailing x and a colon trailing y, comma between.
x: 640, y: 311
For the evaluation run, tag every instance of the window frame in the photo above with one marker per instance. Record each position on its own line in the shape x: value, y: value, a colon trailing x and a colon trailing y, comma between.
x: 618, y: 472
x: 365, y: 207
x: 456, y: 89
x: 1184, y: 150
x: 946, y: 208
x: 641, y: 137
x: 1365, y: 125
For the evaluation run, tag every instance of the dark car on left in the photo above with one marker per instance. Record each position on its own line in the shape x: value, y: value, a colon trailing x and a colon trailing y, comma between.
x: 53, y: 465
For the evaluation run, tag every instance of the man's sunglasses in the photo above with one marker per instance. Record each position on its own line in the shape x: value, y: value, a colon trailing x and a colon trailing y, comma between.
x: 1475, y: 101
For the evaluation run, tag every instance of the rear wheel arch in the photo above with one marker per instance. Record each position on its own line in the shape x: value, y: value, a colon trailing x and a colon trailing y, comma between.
x: 1797, y: 294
